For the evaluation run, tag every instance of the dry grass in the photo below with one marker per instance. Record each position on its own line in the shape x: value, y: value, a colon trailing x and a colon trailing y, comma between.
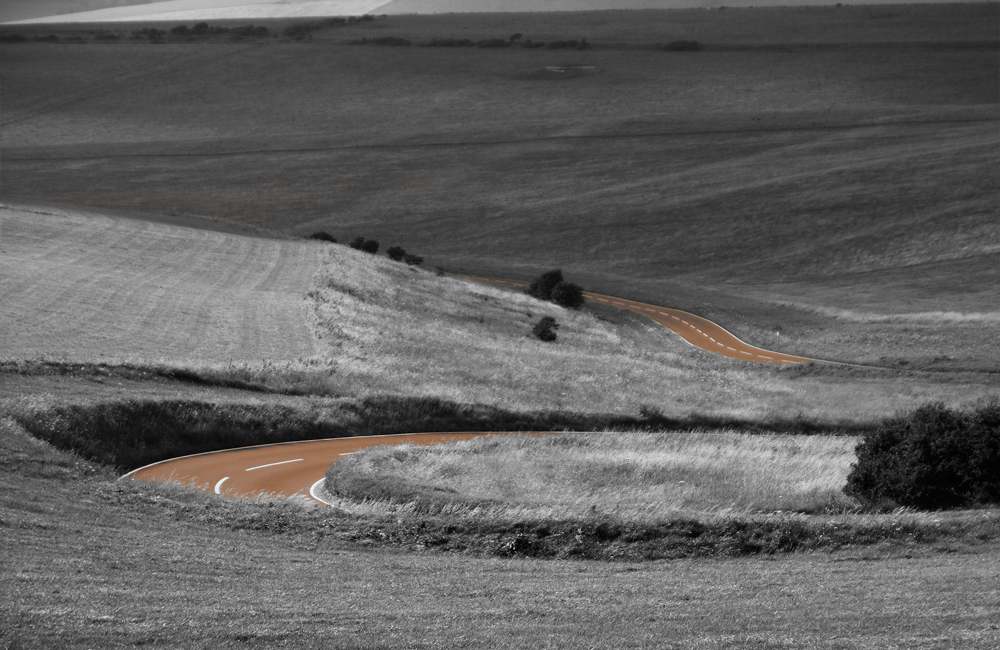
x: 398, y: 330
x: 631, y: 477
x: 79, y: 285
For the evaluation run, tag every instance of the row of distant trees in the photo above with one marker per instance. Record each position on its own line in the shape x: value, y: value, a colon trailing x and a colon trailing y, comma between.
x: 371, y: 246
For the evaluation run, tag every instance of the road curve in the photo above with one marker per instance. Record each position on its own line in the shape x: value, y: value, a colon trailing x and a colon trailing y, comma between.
x: 298, y: 468
x: 288, y: 469
x: 698, y: 331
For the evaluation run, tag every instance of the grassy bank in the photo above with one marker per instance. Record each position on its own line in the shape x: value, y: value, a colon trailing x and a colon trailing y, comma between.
x: 630, y: 477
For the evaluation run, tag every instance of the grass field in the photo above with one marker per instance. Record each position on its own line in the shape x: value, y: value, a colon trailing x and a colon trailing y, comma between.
x: 91, y: 563
x: 818, y: 180
x: 628, y: 476
x: 84, y: 286
x: 834, y: 181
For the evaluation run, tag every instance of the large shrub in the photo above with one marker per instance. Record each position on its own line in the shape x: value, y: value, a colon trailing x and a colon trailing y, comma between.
x: 542, y: 286
x: 568, y: 294
x: 551, y: 286
x: 932, y: 458
x: 396, y: 253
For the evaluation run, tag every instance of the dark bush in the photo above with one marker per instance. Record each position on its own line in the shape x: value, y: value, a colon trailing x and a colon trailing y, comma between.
x: 451, y: 42
x: 50, y: 38
x: 180, y: 30
x: 413, y: 260
x: 106, y: 36
x: 681, y: 46
x: 322, y: 235
x: 12, y: 38
x: 366, y: 245
x: 514, y: 37
x: 568, y: 294
x: 530, y: 44
x: 542, y: 286
x: 545, y: 329
x: 334, y: 21
x: 200, y: 28
x: 395, y: 253
x: 933, y: 458
x: 493, y: 42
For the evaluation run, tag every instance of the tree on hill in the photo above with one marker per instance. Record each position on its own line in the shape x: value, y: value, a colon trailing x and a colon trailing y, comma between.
x: 542, y: 286
x: 569, y: 295
x: 552, y: 287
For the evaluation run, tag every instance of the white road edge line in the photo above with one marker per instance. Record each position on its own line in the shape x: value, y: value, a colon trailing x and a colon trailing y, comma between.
x: 314, y: 491
x: 218, y: 486
x: 250, y: 469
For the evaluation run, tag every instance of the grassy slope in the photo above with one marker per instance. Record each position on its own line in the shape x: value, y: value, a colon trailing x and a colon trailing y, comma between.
x: 79, y: 285
x: 629, y: 477
x: 88, y: 563
x: 762, y: 185
x: 246, y: 310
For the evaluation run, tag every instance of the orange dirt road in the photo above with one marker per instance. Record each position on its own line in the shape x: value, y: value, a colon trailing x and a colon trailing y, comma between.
x: 289, y: 469
x: 696, y: 330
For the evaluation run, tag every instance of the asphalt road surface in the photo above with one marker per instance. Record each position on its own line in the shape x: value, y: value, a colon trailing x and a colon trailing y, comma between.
x: 289, y: 469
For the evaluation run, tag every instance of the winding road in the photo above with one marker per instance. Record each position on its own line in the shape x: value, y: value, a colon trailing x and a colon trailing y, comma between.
x: 297, y: 469
x: 698, y: 331
x: 289, y: 468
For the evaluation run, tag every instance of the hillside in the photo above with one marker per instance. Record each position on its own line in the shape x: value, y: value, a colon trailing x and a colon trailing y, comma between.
x: 807, y: 165
x: 85, y: 286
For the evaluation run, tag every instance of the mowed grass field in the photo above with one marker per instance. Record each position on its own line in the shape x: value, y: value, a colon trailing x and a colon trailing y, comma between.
x: 823, y: 173
x: 85, y: 286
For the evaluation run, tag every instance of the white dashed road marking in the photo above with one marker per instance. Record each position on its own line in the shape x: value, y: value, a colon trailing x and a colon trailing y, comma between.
x: 250, y: 469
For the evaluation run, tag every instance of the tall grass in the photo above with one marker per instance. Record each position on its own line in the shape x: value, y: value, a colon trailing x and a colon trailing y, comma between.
x: 633, y: 477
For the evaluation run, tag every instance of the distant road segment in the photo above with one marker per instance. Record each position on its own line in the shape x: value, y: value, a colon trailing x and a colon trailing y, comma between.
x: 697, y: 331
